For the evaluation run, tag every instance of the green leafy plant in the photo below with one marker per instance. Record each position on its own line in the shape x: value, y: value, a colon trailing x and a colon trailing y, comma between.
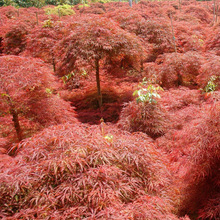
x: 67, y: 77
x: 84, y: 5
x: 48, y: 23
x: 61, y: 10
x: 147, y: 94
x: 145, y: 114
x: 211, y: 85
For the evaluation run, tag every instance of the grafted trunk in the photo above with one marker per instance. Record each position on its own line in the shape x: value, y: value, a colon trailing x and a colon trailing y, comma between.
x: 98, y: 83
x: 37, y: 17
x: 53, y: 63
x: 15, y: 120
x: 16, y: 123
x: 174, y: 39
x: 214, y: 13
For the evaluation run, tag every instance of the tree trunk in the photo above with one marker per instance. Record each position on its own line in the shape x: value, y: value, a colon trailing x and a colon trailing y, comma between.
x: 174, y: 40
x: 37, y: 18
x: 14, y: 114
x: 180, y: 5
x: 142, y: 64
x: 217, y: 7
x: 130, y: 3
x: 214, y: 12
x: 16, y: 123
x: 53, y: 63
x: 98, y: 83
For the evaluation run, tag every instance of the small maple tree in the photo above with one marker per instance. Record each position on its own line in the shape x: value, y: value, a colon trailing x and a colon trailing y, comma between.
x: 25, y: 83
x: 213, y: 41
x: 94, y: 38
x: 155, y: 34
x: 42, y: 40
x: 180, y: 69
x: 15, y: 39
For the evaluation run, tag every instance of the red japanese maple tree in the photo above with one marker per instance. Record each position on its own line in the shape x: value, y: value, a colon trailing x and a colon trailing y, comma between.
x: 94, y: 38
x: 42, y: 39
x: 26, y: 87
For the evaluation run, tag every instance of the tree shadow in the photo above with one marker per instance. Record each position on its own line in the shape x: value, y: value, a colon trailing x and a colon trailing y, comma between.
x: 87, y: 106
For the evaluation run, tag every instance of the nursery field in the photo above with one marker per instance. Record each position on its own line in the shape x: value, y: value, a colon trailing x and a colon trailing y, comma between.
x: 110, y: 111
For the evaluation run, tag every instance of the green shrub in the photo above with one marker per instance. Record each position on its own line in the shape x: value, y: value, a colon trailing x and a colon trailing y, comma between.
x: 61, y: 10
x: 211, y: 85
x: 84, y: 5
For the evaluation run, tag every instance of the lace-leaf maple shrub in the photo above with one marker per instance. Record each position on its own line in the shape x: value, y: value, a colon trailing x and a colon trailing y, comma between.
x: 213, y: 41
x: 194, y: 152
x: 42, y: 40
x: 209, y: 69
x: 180, y: 69
x: 155, y: 33
x: 74, y: 171
x: 14, y: 41
x: 26, y: 89
x: 146, y: 113
x: 201, y: 191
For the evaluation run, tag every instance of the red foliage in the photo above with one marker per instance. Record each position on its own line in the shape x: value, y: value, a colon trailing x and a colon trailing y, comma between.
x: 8, y: 12
x: 16, y: 25
x: 42, y: 40
x: 95, y: 8
x: 151, y: 10
x: 4, y: 145
x: 209, y: 68
x: 145, y: 207
x: 180, y: 69
x: 96, y: 37
x: 176, y: 99
x: 151, y: 119
x: 193, y: 145
x: 155, y: 32
x: 26, y: 89
x: 189, y: 37
x: 183, y: 107
x: 15, y: 39
x: 75, y: 170
x: 211, y: 209
x: 202, y: 177
x: 198, y: 12
x: 213, y: 41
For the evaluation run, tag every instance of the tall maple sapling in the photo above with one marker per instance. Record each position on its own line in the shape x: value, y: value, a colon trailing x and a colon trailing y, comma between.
x: 94, y: 38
